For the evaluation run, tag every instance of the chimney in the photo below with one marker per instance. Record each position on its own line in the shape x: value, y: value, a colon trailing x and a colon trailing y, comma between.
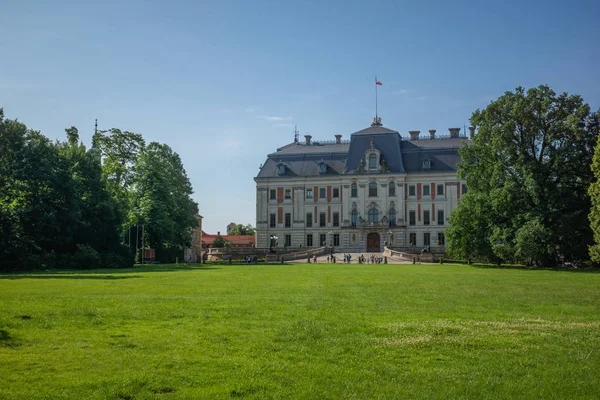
x: 218, y: 233
x: 432, y: 134
x: 338, y: 139
x: 471, y: 132
x: 414, y: 135
x: 307, y: 137
x: 454, y: 132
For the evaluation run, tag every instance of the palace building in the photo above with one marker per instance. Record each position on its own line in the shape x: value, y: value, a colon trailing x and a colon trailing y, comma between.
x: 362, y: 194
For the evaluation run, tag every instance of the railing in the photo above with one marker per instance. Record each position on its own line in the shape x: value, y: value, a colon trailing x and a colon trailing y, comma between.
x: 418, y: 249
x: 323, y: 142
x: 298, y: 255
x: 378, y: 224
x: 436, y: 137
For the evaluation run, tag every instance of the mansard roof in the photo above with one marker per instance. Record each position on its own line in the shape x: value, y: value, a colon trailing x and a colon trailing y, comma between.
x: 343, y: 158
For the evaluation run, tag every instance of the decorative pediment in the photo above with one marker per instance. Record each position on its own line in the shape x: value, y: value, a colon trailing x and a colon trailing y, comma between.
x: 372, y: 158
x: 373, y: 205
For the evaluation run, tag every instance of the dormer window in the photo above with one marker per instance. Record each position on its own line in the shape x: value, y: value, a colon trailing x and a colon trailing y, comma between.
x: 322, y: 168
x: 280, y: 169
x: 426, y: 163
x: 372, y: 158
x: 372, y: 161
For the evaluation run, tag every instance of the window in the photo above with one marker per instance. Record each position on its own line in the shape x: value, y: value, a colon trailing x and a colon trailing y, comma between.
x: 309, y: 241
x: 425, y: 190
x: 372, y: 161
x: 336, y: 193
x: 288, y: 220
x: 393, y: 217
x: 336, y: 219
x: 322, y: 239
x: 272, y: 194
x: 288, y: 194
x: 412, y: 191
x: 413, y: 239
x: 309, y: 193
x: 336, y: 239
x: 440, y: 190
x: 354, y: 217
x: 373, y: 215
x: 426, y: 239
x: 412, y: 217
x: 288, y: 240
x: 392, y: 189
x: 373, y: 189
x: 440, y: 217
x: 425, y: 217
x: 441, y: 239
x: 322, y: 193
x: 353, y: 190
x: 309, y: 220
x: 322, y: 220
x: 272, y: 220
x: 464, y: 189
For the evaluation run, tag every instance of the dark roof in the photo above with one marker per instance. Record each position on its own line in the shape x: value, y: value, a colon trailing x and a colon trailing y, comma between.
x: 401, y: 156
x: 374, y: 130
x: 388, y: 145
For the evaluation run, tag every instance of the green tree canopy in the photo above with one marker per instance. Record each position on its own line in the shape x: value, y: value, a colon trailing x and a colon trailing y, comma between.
x: 594, y: 193
x: 242, y: 230
x: 161, y: 200
x: 54, y: 205
x: 527, y: 170
x: 219, y: 242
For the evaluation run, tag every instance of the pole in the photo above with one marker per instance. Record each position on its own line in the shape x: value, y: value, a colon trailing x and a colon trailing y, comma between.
x: 376, y: 97
x: 142, y: 243
x: 137, y: 239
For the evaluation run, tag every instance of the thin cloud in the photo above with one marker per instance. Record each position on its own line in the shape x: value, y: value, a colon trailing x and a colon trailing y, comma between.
x: 272, y: 119
x: 16, y: 85
x: 230, y: 144
x: 283, y: 125
x: 404, y: 91
x: 422, y: 98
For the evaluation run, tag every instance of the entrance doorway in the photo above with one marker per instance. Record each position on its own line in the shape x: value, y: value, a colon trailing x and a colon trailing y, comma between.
x: 373, y: 243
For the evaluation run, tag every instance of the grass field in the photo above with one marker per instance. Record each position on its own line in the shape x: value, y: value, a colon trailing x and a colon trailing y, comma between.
x: 300, y: 331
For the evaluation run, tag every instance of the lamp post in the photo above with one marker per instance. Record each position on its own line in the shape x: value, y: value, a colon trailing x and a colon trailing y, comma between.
x: 272, y: 242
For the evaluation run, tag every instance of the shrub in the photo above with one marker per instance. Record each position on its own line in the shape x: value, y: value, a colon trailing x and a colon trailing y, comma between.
x: 86, y: 257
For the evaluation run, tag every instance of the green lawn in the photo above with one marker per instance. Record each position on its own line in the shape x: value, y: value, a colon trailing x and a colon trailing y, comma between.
x: 301, y: 331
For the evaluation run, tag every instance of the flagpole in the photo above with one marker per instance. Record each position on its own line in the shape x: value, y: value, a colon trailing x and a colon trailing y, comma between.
x: 375, y: 97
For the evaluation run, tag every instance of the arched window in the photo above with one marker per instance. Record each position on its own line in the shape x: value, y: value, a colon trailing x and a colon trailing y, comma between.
x: 372, y: 161
x: 354, y: 190
x: 354, y: 217
x: 373, y: 189
x: 373, y: 215
x: 393, y: 217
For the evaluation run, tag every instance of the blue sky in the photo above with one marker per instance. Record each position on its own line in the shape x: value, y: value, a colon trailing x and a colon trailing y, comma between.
x: 223, y: 83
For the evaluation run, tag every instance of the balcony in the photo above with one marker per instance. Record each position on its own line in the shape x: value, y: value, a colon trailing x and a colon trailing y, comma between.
x: 379, y: 224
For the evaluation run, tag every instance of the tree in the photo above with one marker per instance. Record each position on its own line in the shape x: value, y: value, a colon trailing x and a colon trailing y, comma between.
x: 594, y: 217
x: 119, y: 151
x: 160, y: 198
x: 219, y: 242
x: 241, y: 230
x: 54, y: 206
x: 527, y: 171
